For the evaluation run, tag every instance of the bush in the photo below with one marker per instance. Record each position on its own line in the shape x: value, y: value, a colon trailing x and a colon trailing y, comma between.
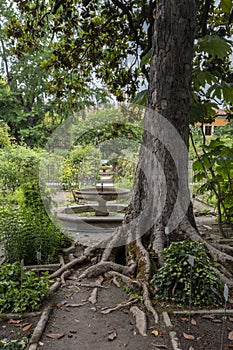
x: 26, y: 231
x: 81, y: 167
x: 25, y: 227
x: 20, y: 290
x: 172, y: 281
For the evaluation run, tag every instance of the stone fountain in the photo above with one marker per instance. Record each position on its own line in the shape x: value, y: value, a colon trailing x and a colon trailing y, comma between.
x: 101, y: 194
x: 99, y: 199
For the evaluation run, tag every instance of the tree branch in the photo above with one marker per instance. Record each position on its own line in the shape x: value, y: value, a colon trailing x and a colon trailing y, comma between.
x: 126, y: 11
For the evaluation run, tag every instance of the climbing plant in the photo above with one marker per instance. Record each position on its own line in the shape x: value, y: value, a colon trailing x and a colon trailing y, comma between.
x: 172, y: 281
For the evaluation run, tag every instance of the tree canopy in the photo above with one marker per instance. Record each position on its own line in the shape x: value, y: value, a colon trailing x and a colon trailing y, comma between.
x: 110, y: 41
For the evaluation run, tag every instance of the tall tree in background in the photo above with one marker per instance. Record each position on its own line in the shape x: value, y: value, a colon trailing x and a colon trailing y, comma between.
x: 160, y: 201
x: 30, y: 103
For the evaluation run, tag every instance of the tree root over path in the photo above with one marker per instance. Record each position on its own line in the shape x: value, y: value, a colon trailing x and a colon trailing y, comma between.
x: 131, y: 264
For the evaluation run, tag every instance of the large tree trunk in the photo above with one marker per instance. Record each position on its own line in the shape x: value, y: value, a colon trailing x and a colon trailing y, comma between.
x: 161, y: 196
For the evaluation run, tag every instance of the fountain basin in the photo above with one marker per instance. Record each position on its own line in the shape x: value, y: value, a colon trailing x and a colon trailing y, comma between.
x: 101, y: 195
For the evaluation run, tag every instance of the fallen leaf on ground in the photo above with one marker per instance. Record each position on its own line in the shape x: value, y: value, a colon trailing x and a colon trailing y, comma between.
x: 69, y: 295
x: 55, y: 335
x: 230, y: 335
x: 160, y: 346
x: 184, y: 319
x: 217, y: 320
x: 76, y: 320
x: 191, y: 348
x: 211, y: 317
x: 26, y: 327
x: 155, y: 333
x: 11, y: 321
x: 188, y: 336
x: 58, y: 305
x: 231, y: 319
x: 112, y: 336
x: 64, y: 308
x: 193, y: 322
x: 70, y: 286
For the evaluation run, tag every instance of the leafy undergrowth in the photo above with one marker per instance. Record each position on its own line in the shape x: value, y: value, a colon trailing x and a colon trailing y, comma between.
x: 21, y: 290
x: 178, y: 278
x: 13, y: 344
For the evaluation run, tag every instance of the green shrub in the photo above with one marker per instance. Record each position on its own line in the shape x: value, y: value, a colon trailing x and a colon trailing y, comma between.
x: 20, y: 290
x: 25, y: 231
x: 172, y: 281
x: 13, y: 344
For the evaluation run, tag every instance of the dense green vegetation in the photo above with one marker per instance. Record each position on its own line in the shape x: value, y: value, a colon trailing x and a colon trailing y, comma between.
x: 24, y: 223
x: 20, y: 290
x: 172, y: 281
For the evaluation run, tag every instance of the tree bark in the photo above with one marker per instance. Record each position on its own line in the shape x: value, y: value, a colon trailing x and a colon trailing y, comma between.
x: 161, y: 198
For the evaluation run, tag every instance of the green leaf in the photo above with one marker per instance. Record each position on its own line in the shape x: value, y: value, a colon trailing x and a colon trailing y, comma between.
x: 226, y: 5
x: 228, y: 93
x: 215, y: 46
x: 140, y: 98
x: 146, y: 58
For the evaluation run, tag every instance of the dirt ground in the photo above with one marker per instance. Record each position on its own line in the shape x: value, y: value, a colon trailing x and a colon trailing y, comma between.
x: 207, y: 332
x: 75, y: 323
x: 85, y: 327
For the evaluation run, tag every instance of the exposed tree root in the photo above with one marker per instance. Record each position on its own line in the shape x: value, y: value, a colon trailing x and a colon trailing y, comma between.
x: 106, y: 311
x: 137, y: 262
x: 39, y: 329
x: 90, y: 285
x: 141, y: 322
x: 93, y: 297
x: 148, y: 303
x: 115, y: 281
x: 94, y: 294
x: 144, y: 264
x: 76, y: 305
x: 16, y: 316
x: 159, y: 243
x: 77, y: 261
x: 53, y: 288
x: 48, y: 267
x: 132, y: 284
x: 113, y: 242
x: 224, y: 279
x: 65, y: 274
x: 224, y: 247
x: 102, y: 267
